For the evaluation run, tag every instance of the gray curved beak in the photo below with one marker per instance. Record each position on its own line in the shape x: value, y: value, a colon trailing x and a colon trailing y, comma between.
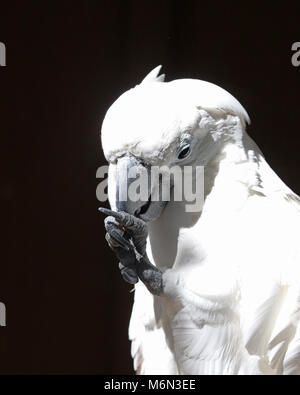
x: 133, y: 191
x: 133, y: 187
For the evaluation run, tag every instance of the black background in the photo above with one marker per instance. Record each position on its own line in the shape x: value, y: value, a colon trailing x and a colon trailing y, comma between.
x: 67, y: 307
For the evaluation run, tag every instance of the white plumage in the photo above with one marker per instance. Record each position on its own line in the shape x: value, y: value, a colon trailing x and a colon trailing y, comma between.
x: 231, y: 302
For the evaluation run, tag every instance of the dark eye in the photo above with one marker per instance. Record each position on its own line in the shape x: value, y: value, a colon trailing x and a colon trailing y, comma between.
x: 184, y: 152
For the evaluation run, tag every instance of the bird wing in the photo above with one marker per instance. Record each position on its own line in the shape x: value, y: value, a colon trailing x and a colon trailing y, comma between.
x: 149, y: 349
x: 274, y: 332
x: 284, y: 344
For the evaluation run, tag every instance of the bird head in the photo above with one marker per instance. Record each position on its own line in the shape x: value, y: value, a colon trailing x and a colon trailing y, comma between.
x: 164, y: 124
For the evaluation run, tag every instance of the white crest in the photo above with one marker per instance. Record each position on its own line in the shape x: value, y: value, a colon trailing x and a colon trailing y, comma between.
x: 153, y: 76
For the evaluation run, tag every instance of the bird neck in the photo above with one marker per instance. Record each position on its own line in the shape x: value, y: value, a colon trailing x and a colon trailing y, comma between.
x: 228, y: 177
x: 234, y: 170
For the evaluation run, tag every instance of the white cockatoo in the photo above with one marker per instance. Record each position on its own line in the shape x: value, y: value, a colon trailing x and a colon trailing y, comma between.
x: 220, y: 286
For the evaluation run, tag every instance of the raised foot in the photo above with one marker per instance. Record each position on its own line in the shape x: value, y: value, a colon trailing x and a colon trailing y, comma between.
x: 126, y: 235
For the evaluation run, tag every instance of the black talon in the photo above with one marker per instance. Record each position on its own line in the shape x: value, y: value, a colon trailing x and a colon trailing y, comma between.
x: 120, y: 239
x: 106, y: 211
x: 112, y: 242
x: 129, y: 274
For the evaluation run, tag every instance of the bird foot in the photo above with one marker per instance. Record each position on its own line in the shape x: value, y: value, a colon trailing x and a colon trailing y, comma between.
x: 126, y: 235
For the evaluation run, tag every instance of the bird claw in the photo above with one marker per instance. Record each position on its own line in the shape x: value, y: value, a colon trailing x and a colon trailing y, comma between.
x: 129, y: 273
x: 134, y: 227
x: 126, y: 236
x: 120, y: 240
